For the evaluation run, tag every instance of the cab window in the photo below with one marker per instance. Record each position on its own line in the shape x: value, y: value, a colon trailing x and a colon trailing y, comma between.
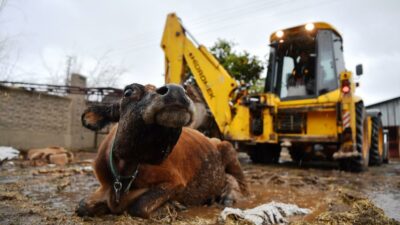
x: 296, y: 70
x: 327, y: 76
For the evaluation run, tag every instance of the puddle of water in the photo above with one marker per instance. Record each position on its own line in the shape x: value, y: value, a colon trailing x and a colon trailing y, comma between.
x: 66, y: 199
x: 265, y: 193
x: 8, y: 180
x: 388, y: 201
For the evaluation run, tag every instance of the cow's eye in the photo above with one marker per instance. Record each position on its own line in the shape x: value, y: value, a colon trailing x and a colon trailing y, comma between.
x: 128, y: 92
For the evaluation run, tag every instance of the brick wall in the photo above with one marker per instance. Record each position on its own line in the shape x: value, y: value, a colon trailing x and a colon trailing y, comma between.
x: 31, y: 119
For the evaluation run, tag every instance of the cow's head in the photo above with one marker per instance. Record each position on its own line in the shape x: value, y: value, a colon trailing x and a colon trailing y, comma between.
x: 149, y: 120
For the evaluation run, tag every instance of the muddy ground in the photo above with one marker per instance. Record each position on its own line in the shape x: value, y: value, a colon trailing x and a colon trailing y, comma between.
x: 49, y: 194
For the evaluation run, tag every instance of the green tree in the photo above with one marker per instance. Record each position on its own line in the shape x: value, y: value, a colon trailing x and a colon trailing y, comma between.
x: 240, y: 65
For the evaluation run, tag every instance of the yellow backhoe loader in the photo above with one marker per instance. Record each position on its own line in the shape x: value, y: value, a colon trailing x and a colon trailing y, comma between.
x: 308, y: 104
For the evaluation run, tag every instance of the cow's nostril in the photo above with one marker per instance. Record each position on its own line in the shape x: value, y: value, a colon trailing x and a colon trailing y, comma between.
x: 162, y: 90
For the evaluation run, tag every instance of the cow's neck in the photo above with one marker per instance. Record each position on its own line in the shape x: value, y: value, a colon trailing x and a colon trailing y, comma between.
x: 148, y: 144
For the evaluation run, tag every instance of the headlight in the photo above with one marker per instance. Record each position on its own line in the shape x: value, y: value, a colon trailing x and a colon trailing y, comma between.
x: 279, y: 34
x: 310, y: 26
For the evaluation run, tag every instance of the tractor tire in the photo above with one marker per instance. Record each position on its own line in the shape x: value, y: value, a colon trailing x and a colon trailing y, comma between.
x: 265, y: 153
x: 359, y: 163
x: 376, y: 147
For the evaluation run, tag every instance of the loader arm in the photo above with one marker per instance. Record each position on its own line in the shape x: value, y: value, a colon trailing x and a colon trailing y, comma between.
x: 215, y: 83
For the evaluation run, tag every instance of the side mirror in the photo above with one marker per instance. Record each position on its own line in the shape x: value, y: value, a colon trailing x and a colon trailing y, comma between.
x: 359, y: 69
x: 274, y: 44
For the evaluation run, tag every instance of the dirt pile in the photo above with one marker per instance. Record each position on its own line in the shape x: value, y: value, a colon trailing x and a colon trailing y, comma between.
x: 351, y: 208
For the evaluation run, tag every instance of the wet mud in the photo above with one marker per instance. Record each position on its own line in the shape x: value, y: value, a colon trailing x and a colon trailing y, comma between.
x: 50, y: 194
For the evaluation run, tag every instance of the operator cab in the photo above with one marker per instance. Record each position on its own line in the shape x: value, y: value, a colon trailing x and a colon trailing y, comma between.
x: 305, y: 62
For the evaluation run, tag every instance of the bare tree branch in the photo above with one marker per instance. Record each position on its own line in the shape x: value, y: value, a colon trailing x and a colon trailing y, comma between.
x: 7, y: 63
x: 105, y: 73
x: 56, y: 74
x: 102, y: 73
x: 2, y: 4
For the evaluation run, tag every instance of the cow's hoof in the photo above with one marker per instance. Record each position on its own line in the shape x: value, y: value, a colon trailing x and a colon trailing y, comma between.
x: 178, y: 206
x: 137, y: 211
x: 227, y: 201
x: 82, y: 210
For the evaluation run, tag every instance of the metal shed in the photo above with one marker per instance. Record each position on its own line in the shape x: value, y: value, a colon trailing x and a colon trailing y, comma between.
x: 390, y: 110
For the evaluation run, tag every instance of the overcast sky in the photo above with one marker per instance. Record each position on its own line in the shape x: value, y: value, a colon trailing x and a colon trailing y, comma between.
x: 129, y: 32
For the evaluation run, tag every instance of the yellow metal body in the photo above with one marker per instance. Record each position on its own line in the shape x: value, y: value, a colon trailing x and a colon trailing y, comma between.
x: 239, y: 128
x: 233, y: 118
x: 213, y: 80
x: 298, y: 29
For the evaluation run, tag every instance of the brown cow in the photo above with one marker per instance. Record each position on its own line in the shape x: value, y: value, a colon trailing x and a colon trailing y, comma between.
x: 148, y: 158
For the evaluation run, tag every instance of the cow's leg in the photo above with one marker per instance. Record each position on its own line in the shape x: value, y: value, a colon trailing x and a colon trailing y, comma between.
x: 126, y: 200
x: 231, y: 191
x: 95, y: 204
x: 233, y: 168
x: 153, y: 199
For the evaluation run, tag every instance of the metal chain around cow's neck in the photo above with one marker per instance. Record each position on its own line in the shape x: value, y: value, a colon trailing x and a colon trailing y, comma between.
x: 117, y: 177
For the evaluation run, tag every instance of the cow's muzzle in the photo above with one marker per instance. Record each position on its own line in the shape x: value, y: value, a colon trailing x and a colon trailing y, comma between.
x: 171, y: 108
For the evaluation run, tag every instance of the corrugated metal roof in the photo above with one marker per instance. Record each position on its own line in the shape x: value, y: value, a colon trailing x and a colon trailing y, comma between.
x: 382, y: 102
x: 390, y: 110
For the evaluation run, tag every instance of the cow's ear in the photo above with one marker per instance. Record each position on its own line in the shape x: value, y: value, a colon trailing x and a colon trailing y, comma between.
x: 98, y: 116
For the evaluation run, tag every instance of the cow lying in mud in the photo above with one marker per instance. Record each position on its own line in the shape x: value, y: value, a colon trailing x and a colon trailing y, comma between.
x: 149, y: 158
